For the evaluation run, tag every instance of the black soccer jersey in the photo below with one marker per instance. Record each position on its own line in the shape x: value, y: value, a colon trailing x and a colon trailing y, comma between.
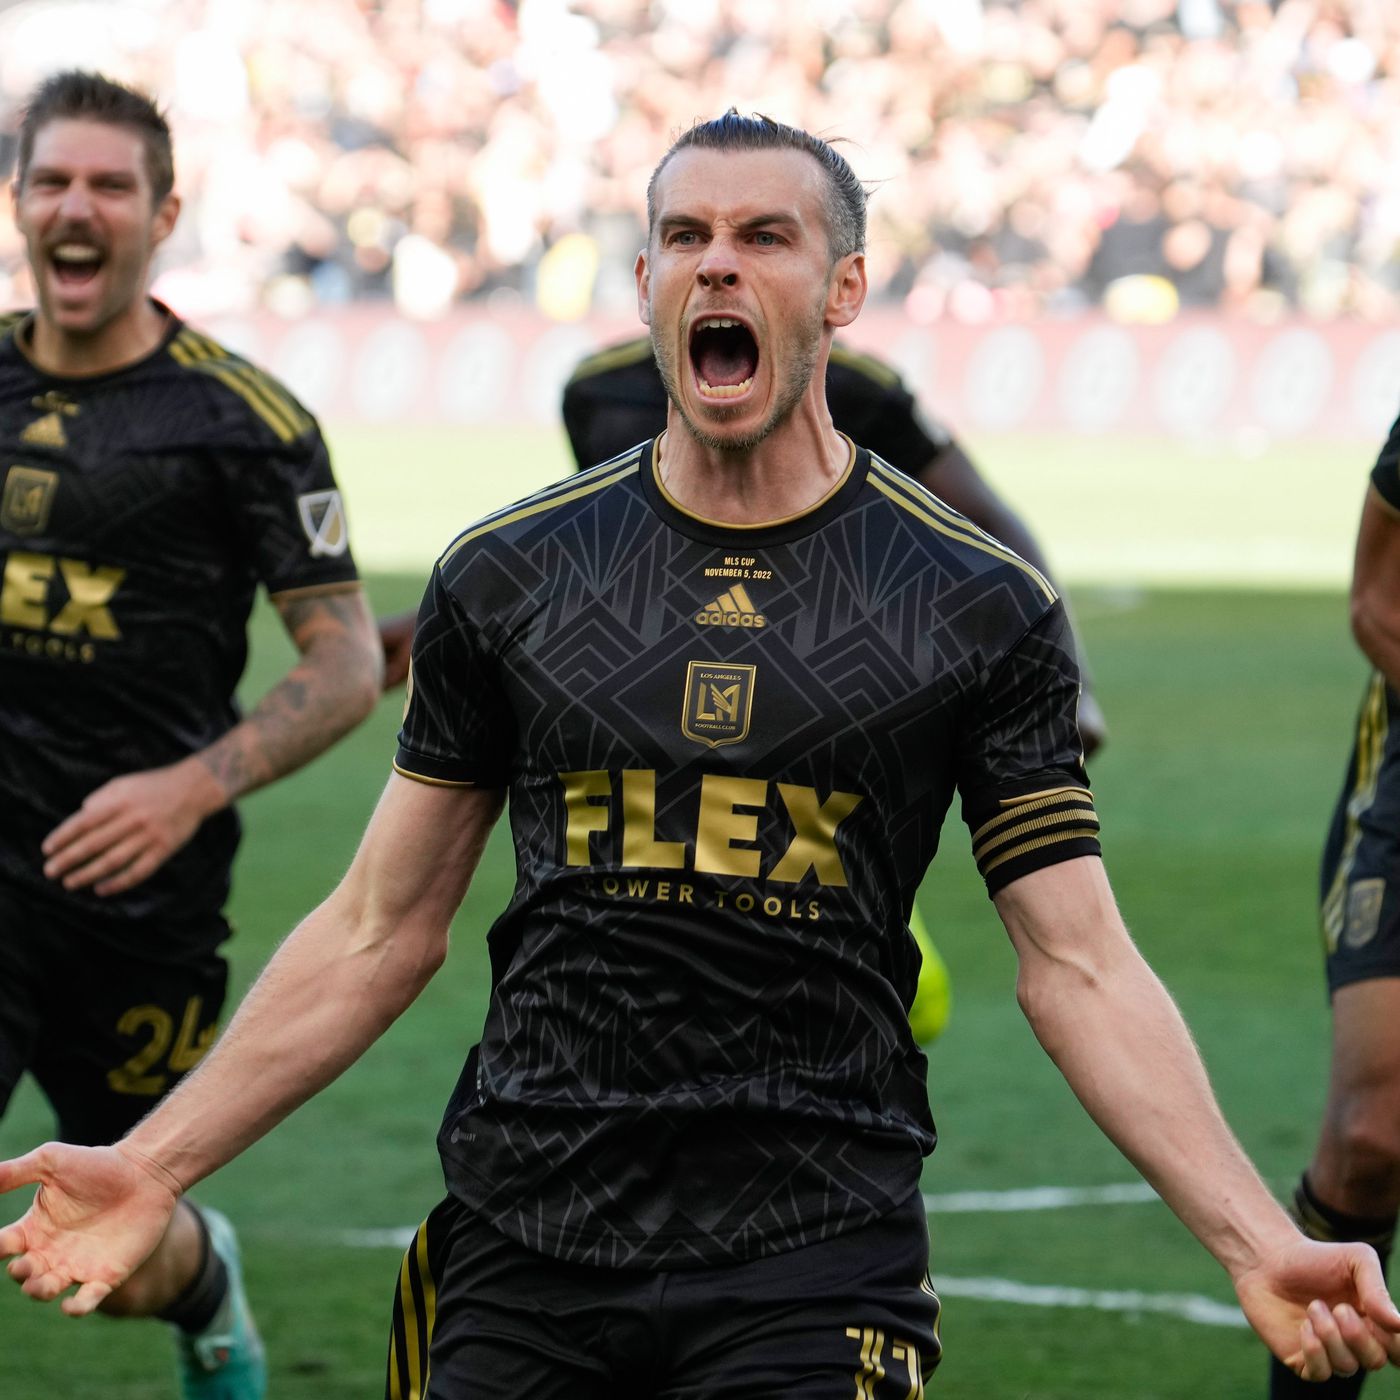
x: 729, y: 752
x: 138, y: 511
x: 1385, y: 475
x: 615, y: 399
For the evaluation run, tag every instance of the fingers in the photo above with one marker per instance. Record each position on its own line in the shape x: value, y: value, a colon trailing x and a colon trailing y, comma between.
x: 116, y: 859
x: 143, y: 867
x: 1376, y: 1301
x: 20, y: 1171
x: 86, y: 1299
x: 84, y: 836
x: 1338, y: 1342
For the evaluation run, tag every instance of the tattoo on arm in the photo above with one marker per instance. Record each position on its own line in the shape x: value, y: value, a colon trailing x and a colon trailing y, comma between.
x: 330, y: 689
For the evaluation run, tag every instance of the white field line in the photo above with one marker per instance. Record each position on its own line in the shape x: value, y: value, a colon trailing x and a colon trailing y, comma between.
x: 1029, y: 1198
x: 1190, y: 1307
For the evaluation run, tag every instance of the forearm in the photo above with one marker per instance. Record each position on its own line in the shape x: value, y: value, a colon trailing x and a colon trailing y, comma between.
x: 327, y: 693
x: 330, y: 991
x: 1118, y: 1038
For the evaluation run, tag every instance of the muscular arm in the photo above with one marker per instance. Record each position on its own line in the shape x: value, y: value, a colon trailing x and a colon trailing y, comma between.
x: 333, y: 987
x: 1375, y: 587
x: 952, y: 476
x: 1114, y: 1032
x: 128, y: 828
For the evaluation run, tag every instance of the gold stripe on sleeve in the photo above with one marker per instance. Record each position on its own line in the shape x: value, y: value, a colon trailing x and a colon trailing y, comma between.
x: 1043, y: 823
x: 1035, y: 802
x: 427, y: 781
x: 536, y: 506
x: 1058, y: 839
x: 924, y: 507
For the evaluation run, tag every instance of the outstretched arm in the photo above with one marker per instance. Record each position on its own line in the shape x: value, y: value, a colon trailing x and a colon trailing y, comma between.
x: 952, y: 476
x: 129, y: 827
x: 329, y: 992
x: 1110, y: 1026
x: 1375, y: 586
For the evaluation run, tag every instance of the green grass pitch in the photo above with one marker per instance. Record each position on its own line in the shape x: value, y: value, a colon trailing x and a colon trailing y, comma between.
x: 1230, y: 711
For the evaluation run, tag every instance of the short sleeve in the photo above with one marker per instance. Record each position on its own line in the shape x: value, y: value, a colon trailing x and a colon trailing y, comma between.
x: 291, y: 516
x: 1025, y: 796
x: 1385, y: 475
x: 457, y: 727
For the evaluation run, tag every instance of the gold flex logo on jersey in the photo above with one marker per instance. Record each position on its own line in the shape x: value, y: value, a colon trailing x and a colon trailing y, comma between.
x: 718, y: 702
x: 27, y: 500
x: 733, y: 608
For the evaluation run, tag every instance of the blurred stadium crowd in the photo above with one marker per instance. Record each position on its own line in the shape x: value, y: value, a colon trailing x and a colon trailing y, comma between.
x: 1041, y: 157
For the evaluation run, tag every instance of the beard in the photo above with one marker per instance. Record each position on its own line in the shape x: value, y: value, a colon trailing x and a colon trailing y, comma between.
x: 802, y: 352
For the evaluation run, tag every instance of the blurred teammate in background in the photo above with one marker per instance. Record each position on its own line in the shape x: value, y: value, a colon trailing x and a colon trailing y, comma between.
x: 685, y: 1156
x: 151, y: 480
x: 616, y: 398
x: 1351, y: 1189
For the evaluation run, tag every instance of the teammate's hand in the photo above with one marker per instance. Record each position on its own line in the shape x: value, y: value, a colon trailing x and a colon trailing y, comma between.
x: 1093, y: 727
x: 96, y: 1217
x: 129, y: 827
x: 1323, y: 1309
x: 396, y: 637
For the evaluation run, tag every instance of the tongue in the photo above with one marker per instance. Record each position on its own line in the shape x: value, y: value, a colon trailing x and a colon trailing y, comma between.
x: 72, y: 273
x: 725, y: 360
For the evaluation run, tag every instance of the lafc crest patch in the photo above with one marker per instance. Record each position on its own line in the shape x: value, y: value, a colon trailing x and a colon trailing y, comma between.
x: 718, y: 702
x: 323, y: 519
x: 27, y: 500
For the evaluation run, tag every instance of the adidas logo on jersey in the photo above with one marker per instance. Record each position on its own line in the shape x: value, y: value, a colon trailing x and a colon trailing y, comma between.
x: 732, y: 609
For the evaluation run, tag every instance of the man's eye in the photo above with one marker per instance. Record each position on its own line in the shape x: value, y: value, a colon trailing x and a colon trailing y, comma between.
x: 765, y: 239
x: 686, y: 238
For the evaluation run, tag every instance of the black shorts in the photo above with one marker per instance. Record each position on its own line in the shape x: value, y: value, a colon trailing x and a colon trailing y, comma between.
x: 104, y: 1023
x: 1360, y: 889
x: 479, y: 1317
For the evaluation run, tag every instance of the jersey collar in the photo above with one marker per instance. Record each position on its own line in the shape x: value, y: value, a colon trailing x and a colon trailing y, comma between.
x: 768, y: 532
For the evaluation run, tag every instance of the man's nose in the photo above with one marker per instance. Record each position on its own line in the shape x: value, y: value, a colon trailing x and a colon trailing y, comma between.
x: 76, y: 203
x: 719, y: 267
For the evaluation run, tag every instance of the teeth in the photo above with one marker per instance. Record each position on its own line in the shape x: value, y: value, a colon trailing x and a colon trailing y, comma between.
x: 725, y: 391
x: 717, y: 323
x: 76, y: 252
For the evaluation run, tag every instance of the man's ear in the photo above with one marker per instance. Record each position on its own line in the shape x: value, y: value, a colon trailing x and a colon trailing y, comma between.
x: 166, y: 217
x: 846, y: 292
x: 643, y: 275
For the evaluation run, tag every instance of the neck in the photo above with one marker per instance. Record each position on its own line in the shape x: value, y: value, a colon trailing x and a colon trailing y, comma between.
x: 797, y: 464
x: 123, y: 340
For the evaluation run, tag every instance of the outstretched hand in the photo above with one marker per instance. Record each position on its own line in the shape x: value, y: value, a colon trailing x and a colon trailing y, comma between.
x: 1323, y: 1309
x: 97, y: 1216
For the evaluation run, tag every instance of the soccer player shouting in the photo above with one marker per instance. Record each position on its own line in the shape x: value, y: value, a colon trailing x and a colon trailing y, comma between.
x: 149, y: 481
x: 730, y: 682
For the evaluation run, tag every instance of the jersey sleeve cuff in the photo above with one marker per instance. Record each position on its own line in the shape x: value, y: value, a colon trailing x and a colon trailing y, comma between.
x: 437, y: 772
x: 1013, y: 836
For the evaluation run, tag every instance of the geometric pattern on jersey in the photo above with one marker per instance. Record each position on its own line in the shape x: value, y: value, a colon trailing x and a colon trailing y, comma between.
x: 697, y: 1048
x: 139, y: 511
x: 615, y: 398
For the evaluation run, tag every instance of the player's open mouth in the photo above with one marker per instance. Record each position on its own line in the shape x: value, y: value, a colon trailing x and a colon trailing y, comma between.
x: 75, y: 263
x: 724, y: 356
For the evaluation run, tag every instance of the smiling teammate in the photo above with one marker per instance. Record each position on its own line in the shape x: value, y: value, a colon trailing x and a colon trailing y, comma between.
x: 150, y: 480
x: 685, y: 1156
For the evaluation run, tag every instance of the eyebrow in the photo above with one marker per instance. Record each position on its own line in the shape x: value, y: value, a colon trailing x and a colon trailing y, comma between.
x: 670, y: 222
x: 114, y: 173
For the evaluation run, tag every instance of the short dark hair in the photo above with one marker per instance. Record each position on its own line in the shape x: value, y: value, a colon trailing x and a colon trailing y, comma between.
x: 75, y: 94
x: 845, y: 195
